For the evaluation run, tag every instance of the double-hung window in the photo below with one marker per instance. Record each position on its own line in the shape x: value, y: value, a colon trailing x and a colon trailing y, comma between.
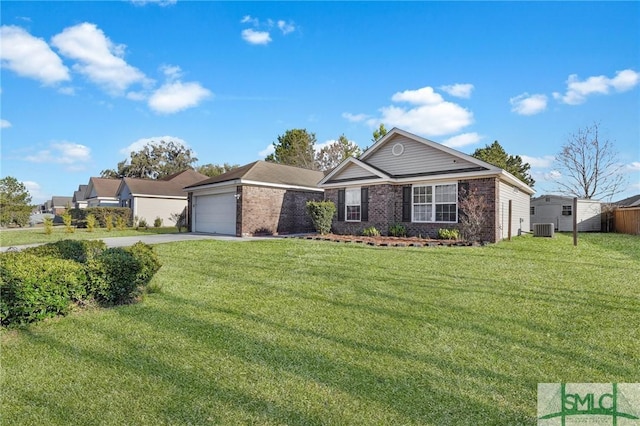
x: 352, y: 204
x: 435, y: 203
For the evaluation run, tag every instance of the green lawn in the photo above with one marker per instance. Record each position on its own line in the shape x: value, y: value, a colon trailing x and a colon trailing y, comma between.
x: 305, y: 332
x: 16, y: 237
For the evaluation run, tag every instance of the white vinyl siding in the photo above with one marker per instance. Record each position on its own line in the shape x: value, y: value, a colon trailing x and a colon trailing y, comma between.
x: 353, y: 171
x: 151, y: 208
x: 435, y: 203
x: 520, y: 210
x: 415, y: 158
x: 549, y: 209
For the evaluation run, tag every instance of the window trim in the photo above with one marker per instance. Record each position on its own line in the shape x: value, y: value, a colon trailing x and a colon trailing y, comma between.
x: 357, y: 190
x: 433, y: 202
x: 567, y: 210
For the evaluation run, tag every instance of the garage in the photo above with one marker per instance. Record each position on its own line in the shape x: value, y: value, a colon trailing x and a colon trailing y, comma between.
x: 215, y: 213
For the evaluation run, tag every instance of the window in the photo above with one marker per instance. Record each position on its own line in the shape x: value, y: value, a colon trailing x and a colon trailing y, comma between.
x: 566, y: 210
x: 352, y: 204
x: 435, y: 203
x: 532, y: 210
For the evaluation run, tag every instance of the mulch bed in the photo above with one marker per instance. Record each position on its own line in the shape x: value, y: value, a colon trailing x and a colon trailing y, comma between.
x: 383, y: 241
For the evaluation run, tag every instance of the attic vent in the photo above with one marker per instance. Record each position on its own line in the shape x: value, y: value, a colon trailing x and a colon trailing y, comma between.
x: 397, y: 149
x: 543, y: 229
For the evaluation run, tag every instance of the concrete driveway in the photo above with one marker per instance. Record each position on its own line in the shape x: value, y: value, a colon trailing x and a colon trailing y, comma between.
x: 157, y: 239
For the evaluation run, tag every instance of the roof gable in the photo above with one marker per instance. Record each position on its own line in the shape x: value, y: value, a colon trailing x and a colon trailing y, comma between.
x: 102, y: 187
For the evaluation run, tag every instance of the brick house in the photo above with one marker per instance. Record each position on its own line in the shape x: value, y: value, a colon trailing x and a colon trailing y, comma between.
x: 408, y: 180
x: 258, y: 198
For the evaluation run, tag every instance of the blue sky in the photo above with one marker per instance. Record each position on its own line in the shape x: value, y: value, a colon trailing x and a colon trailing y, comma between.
x: 84, y: 83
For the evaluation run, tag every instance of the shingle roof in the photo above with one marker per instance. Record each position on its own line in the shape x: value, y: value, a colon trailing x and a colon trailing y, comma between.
x: 267, y: 172
x: 632, y: 201
x: 80, y: 194
x: 58, y: 201
x: 105, y: 187
x: 170, y: 186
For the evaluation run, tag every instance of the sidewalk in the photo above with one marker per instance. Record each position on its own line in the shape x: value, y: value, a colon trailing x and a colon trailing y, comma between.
x: 155, y: 239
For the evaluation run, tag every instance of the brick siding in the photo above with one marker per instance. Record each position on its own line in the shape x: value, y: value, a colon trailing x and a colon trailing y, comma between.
x: 385, y: 210
x: 275, y: 211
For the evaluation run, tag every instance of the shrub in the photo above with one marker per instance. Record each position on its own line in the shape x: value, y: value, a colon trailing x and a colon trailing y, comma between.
x: 180, y: 219
x: 78, y: 250
x: 112, y: 276
x: 34, y: 288
x: 142, y: 223
x: 100, y: 213
x: 66, y: 219
x: 48, y: 225
x: 121, y: 223
x: 148, y: 260
x: 90, y: 222
x: 321, y: 213
x: 473, y: 218
x: 398, y: 230
x: 448, y: 234
x: 157, y: 222
x: 118, y: 275
x: 371, y: 231
x: 108, y: 221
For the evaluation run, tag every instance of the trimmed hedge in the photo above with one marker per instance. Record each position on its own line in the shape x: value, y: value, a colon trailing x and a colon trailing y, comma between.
x: 44, y: 281
x: 118, y: 275
x: 101, y: 213
x: 78, y: 250
x: 33, y: 288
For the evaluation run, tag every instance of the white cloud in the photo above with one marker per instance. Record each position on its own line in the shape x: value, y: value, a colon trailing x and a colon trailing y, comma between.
x: 30, y: 57
x: 4, y: 124
x: 247, y: 19
x: 268, y: 150
x: 162, y: 3
x: 526, y: 104
x: 141, y: 143
x: 462, y: 140
x: 171, y: 72
x: 286, y: 27
x: 578, y: 91
x: 539, y: 162
x: 634, y: 166
x: 354, y: 118
x: 433, y: 116
x: 177, y: 96
x: 73, y: 155
x: 423, y: 96
x: 35, y: 190
x: 252, y: 36
x: 458, y: 90
x: 98, y: 57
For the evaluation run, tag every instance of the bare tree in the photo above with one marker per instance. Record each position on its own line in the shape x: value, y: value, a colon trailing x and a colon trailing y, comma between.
x: 474, y: 209
x: 589, y: 166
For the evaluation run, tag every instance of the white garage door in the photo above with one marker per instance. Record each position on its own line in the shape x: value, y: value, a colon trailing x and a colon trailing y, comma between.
x: 215, y: 214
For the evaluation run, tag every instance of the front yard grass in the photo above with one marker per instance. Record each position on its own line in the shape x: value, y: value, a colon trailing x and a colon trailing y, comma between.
x: 305, y: 332
x: 16, y: 237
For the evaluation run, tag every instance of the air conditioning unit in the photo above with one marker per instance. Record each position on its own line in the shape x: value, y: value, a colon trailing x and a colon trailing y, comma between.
x: 543, y: 229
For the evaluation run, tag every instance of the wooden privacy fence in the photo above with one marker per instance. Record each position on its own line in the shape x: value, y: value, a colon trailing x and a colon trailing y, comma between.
x: 627, y: 220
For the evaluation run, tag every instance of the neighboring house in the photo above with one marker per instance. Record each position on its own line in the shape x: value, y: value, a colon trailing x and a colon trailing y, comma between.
x: 60, y: 204
x: 633, y: 201
x: 258, y: 198
x: 101, y: 192
x: 558, y: 209
x: 150, y: 199
x: 406, y: 179
x: 79, y: 200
